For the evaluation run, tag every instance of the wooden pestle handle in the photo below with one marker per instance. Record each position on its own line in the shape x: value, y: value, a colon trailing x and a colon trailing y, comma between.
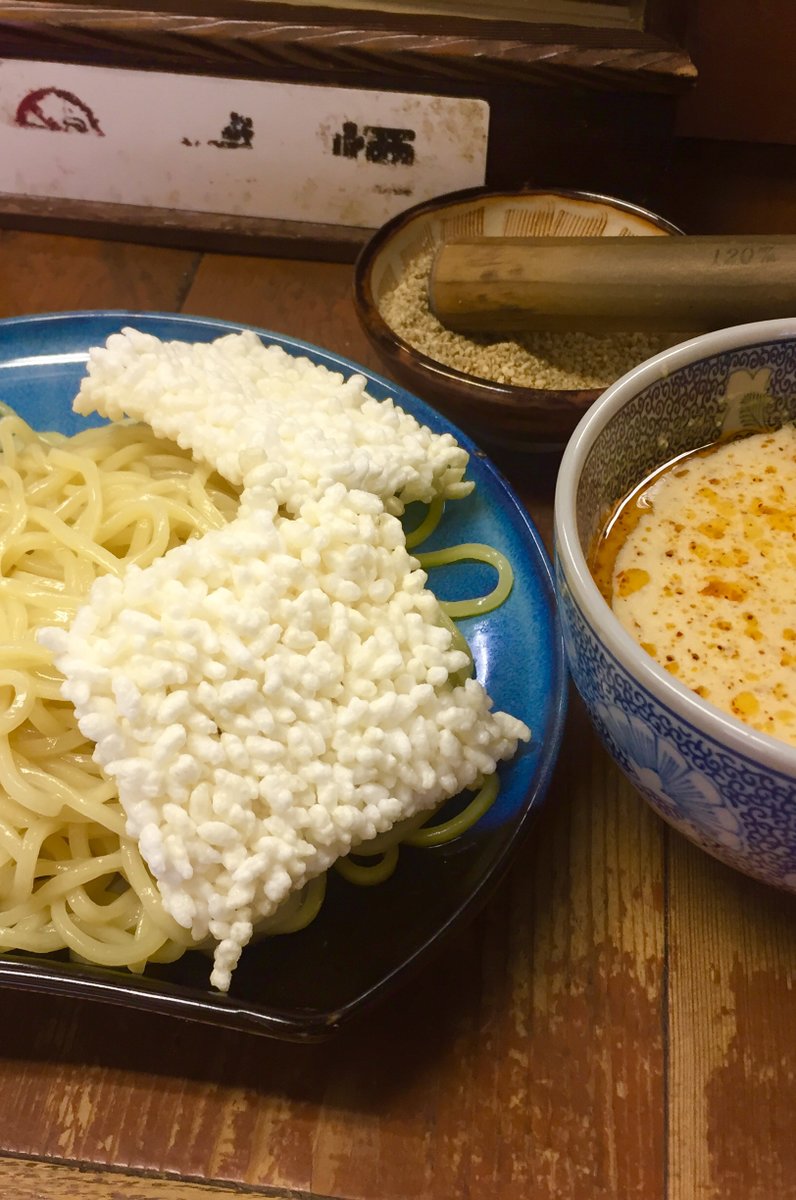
x: 606, y: 284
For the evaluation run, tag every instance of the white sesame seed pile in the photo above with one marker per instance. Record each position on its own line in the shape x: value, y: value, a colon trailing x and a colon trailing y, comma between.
x: 536, y: 360
x: 236, y: 403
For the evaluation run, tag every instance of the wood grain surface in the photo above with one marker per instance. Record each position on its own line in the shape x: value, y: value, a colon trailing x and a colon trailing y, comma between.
x: 619, y: 1023
x: 26, y: 1179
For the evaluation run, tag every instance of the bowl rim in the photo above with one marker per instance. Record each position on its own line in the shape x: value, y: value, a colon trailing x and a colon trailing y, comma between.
x: 749, y: 743
x: 390, y: 342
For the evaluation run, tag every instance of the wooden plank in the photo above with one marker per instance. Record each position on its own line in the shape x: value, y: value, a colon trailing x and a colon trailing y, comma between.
x: 728, y: 187
x: 738, y: 40
x: 22, y: 1179
x: 184, y: 230
x: 309, y: 300
x: 583, y: 1054
x: 732, y: 1003
x: 45, y: 272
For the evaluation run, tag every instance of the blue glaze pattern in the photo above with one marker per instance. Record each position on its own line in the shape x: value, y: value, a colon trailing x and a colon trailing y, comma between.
x: 736, y: 806
x: 738, y: 811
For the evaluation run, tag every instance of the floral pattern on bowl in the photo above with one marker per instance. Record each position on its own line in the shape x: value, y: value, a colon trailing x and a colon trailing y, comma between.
x: 659, y: 771
x: 732, y: 807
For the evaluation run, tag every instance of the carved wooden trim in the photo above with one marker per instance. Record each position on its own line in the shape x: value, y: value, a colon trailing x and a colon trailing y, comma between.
x: 294, y: 43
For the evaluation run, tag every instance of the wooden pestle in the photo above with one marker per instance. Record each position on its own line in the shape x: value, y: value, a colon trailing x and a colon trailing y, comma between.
x: 607, y: 284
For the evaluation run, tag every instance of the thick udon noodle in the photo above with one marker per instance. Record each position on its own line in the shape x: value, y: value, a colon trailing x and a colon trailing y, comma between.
x: 71, y: 509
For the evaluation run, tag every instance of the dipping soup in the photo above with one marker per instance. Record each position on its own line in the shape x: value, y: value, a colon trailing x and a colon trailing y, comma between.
x: 699, y: 565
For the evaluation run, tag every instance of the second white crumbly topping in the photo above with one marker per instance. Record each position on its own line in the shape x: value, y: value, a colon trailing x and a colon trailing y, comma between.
x: 268, y: 696
x: 237, y: 403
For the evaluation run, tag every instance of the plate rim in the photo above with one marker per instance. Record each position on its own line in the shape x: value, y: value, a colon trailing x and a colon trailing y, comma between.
x: 33, y: 973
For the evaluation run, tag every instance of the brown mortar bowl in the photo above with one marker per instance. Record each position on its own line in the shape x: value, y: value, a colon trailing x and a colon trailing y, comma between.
x: 496, y: 414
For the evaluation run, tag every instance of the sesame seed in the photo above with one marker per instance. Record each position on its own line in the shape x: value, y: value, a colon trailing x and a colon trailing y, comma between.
x: 567, y: 361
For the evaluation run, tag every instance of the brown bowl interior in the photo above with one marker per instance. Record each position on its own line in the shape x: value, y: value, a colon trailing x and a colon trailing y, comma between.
x: 521, y: 418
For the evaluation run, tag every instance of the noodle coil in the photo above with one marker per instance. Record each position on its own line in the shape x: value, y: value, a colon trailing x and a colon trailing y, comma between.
x: 71, y: 509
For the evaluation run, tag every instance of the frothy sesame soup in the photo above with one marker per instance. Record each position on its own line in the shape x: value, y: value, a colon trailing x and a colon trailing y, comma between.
x: 698, y: 565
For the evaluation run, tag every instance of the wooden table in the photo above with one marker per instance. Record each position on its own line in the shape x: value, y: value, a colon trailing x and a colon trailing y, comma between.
x: 618, y: 1024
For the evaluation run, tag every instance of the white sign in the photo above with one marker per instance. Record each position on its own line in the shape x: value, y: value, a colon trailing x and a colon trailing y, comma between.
x: 340, y: 156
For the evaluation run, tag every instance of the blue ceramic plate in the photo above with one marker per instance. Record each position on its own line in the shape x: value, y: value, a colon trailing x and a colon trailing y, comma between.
x: 364, y: 941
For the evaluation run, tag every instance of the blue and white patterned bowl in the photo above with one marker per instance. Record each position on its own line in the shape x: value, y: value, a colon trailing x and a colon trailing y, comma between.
x: 728, y: 788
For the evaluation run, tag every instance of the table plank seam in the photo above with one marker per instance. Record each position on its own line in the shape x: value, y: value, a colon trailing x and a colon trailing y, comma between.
x: 186, y: 283
x: 232, y: 1187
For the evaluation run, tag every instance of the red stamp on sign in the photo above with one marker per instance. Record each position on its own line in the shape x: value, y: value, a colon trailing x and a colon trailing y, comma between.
x: 58, y: 110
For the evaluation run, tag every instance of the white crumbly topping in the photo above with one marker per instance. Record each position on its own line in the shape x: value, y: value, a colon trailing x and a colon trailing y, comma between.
x: 236, y: 403
x: 270, y: 695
